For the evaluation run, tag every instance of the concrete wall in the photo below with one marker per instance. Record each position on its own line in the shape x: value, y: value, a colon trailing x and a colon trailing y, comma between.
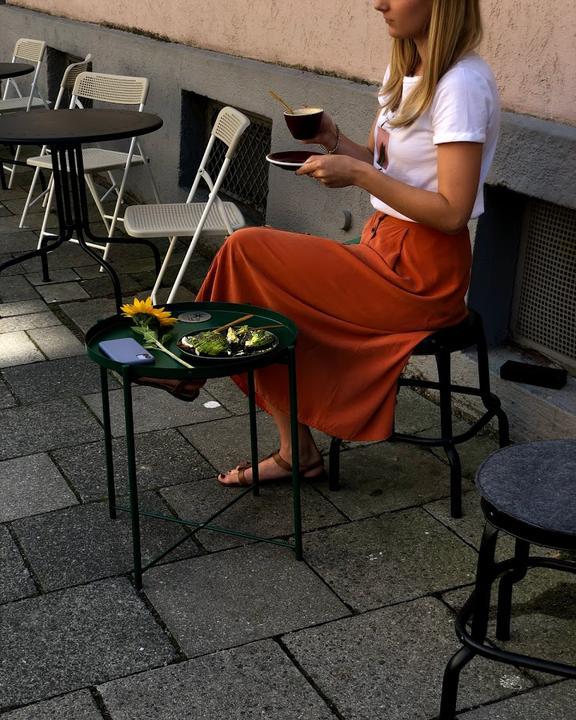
x: 531, y: 45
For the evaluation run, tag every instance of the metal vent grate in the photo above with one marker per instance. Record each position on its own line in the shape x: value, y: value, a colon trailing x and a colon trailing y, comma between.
x: 545, y: 312
x: 247, y: 179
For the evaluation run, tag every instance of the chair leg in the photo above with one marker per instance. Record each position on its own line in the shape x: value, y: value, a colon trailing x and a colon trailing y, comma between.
x: 49, y: 202
x: 334, y: 464
x: 13, y: 168
x: 486, y: 396
x: 444, y: 380
x: 29, y: 198
x: 506, y: 586
x: 167, y: 257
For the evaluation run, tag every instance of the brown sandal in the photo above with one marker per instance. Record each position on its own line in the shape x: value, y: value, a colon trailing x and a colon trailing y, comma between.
x: 187, y: 390
x: 279, y: 460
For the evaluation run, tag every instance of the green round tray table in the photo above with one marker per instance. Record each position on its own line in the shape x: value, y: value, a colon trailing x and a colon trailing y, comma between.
x: 167, y: 368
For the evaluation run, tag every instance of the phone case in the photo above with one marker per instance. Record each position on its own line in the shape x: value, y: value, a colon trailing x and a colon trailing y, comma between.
x: 126, y: 351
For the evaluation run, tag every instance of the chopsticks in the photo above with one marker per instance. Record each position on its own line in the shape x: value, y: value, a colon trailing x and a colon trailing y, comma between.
x: 234, y: 322
x: 281, y: 101
x: 242, y: 319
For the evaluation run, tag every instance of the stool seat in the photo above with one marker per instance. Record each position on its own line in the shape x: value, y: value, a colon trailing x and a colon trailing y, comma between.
x: 534, y: 483
x: 450, y: 339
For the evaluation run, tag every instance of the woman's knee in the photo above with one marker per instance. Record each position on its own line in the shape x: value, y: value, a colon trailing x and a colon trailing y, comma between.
x: 246, y: 239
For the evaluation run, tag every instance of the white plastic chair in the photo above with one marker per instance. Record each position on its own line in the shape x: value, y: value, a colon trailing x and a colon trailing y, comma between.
x: 118, y: 90
x: 32, y: 52
x: 66, y: 85
x: 192, y: 218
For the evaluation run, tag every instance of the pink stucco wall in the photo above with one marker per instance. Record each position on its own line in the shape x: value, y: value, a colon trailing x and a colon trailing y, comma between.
x: 531, y: 45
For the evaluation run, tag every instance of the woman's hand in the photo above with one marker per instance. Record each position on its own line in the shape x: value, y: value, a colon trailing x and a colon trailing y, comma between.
x: 326, y: 135
x: 334, y: 171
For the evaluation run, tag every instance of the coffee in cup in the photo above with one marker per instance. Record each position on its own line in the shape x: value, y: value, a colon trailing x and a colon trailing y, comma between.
x: 304, y: 123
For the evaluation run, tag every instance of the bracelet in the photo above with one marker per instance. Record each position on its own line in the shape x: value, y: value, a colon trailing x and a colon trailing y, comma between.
x: 331, y: 151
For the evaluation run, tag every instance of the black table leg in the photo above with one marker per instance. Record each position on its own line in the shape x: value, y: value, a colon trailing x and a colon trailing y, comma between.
x: 108, y: 443
x: 132, y: 481
x: 297, y: 505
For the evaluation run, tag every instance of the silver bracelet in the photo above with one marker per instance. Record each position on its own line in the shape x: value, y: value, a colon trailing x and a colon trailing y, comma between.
x: 331, y: 151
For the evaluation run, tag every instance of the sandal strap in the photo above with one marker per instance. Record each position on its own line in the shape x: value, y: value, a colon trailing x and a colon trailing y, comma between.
x: 313, y: 466
x: 242, y: 479
x: 279, y: 460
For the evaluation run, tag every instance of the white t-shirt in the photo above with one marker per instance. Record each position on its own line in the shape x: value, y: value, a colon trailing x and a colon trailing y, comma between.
x: 465, y: 108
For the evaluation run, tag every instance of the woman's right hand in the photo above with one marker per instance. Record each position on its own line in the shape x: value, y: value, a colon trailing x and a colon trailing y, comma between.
x: 326, y: 135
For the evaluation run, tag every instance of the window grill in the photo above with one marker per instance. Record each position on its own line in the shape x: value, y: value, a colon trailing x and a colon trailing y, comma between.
x: 247, y: 179
x: 545, y: 296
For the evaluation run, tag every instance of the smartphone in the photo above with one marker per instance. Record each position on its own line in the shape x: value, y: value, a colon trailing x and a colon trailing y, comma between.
x: 126, y: 351
x: 548, y: 377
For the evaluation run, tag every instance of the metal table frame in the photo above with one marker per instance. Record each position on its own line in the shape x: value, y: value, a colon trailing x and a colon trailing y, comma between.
x: 72, y: 205
x: 285, y: 354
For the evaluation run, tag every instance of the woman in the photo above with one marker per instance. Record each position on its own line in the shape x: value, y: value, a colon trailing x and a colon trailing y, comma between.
x: 362, y: 309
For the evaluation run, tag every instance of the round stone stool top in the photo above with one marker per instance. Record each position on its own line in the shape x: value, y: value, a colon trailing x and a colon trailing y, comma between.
x: 533, y: 482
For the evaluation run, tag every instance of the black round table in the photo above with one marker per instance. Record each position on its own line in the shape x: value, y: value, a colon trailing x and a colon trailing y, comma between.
x: 10, y: 70
x: 64, y: 132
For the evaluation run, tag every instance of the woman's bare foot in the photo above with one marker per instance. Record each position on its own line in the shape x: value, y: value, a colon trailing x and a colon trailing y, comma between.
x: 275, y: 467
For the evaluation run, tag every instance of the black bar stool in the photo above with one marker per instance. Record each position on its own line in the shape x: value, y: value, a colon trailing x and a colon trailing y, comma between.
x: 441, y: 344
x: 527, y: 491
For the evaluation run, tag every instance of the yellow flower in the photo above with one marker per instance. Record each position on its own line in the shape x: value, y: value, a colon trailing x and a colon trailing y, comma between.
x: 145, y: 307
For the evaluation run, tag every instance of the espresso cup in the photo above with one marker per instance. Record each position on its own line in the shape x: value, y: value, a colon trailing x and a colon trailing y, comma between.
x: 304, y: 123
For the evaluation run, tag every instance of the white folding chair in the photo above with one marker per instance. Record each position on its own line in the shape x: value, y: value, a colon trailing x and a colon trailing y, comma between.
x: 213, y: 217
x: 66, y: 85
x: 118, y: 90
x: 14, y: 98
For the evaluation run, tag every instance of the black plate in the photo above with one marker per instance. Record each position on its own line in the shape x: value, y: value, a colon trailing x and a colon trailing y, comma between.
x: 242, y: 355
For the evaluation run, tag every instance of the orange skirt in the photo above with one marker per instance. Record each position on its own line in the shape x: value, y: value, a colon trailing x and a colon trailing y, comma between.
x: 360, y: 311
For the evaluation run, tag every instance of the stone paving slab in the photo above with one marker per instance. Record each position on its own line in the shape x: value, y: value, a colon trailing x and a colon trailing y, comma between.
x: 163, y: 458
x: 23, y: 307
x: 55, y: 379
x: 229, y: 394
x: 16, y: 287
x: 62, y: 292
x: 226, y: 443
x: 385, y: 476
x: 395, y: 557
x: 13, y: 269
x: 252, y: 682
x: 155, y: 409
x: 46, y: 426
x: 17, y: 241
x: 16, y: 581
x: 57, y: 342
x: 28, y: 322
x: 68, y: 255
x: 551, y: 703
x: 6, y: 398
x: 57, y: 275
x: 237, y: 596
x: 100, y: 286
x: 76, y: 706
x: 82, y: 544
x: 270, y: 513
x: 81, y: 636
x: 16, y: 348
x: 31, y: 485
x: 88, y: 313
x: 389, y: 663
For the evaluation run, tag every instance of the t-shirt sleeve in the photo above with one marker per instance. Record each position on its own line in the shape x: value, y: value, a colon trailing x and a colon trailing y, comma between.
x: 461, y: 108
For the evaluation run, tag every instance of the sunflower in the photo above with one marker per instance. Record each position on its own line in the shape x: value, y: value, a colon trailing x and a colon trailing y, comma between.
x: 142, y: 311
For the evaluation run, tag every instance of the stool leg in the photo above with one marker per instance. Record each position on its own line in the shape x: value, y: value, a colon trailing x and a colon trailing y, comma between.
x: 481, y: 610
x: 489, y: 401
x: 444, y: 380
x: 507, y: 583
x: 334, y: 464
x: 455, y: 665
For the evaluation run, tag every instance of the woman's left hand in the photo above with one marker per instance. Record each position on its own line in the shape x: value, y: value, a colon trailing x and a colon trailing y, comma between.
x: 334, y: 171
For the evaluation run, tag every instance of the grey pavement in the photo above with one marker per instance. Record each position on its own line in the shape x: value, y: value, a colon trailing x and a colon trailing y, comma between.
x: 226, y: 627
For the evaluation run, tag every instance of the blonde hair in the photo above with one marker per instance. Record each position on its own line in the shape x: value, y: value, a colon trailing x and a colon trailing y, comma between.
x: 455, y: 29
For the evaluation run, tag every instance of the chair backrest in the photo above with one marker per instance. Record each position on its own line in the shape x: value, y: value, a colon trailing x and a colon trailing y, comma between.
x: 30, y: 50
x: 118, y: 89
x: 69, y: 78
x: 229, y: 126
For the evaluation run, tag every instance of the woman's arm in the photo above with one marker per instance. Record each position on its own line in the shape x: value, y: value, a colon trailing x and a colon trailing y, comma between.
x: 447, y: 210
